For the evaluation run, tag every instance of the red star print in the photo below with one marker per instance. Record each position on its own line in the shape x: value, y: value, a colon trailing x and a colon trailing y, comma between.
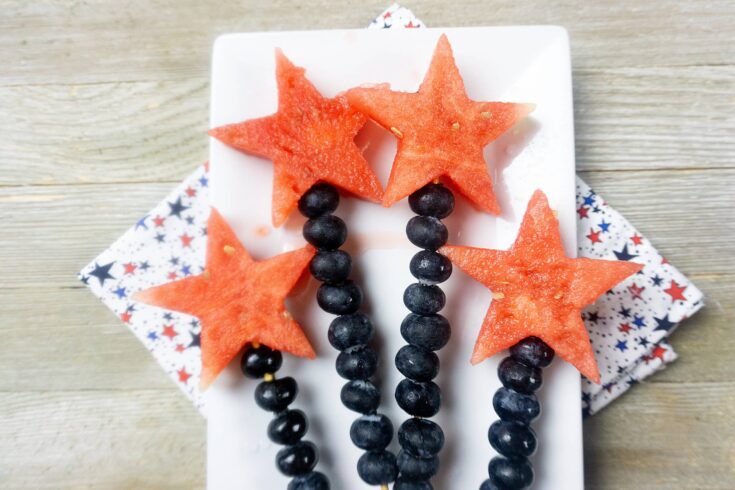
x: 130, y: 268
x: 411, y: 24
x: 625, y: 328
x: 664, y: 261
x: 158, y: 221
x: 583, y: 212
x: 658, y: 352
x: 636, y: 239
x: 183, y: 375
x: 125, y: 317
x: 168, y: 331
x: 172, y: 275
x: 594, y: 236
x: 190, y: 192
x: 386, y: 15
x: 676, y: 291
x: 206, y: 166
x: 636, y: 290
x: 186, y: 240
x: 180, y: 348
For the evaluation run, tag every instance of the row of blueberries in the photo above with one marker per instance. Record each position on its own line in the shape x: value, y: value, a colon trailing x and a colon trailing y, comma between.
x: 425, y: 331
x: 350, y: 333
x: 298, y: 458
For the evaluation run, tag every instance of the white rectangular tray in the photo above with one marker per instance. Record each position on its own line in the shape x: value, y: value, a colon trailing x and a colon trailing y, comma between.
x: 520, y: 64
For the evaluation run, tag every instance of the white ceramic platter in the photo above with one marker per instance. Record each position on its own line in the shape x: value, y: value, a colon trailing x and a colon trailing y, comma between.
x: 517, y: 64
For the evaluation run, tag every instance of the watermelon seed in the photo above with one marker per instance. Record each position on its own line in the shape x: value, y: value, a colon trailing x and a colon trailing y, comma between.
x: 396, y: 131
x: 498, y: 295
x: 229, y: 249
x: 486, y: 115
x: 455, y: 126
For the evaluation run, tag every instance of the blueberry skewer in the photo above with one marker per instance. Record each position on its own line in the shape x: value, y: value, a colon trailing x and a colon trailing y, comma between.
x: 517, y: 406
x: 350, y: 333
x: 298, y: 458
x: 425, y: 331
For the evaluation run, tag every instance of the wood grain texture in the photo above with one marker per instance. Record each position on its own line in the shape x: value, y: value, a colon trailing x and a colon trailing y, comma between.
x: 104, y: 105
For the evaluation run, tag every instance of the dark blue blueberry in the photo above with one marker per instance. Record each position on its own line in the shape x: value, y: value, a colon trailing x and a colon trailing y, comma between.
x: 372, y: 432
x: 331, y: 266
x: 511, y: 405
x: 532, y: 351
x: 427, y: 232
x: 341, y: 299
x: 297, y: 459
x: 312, y: 480
x: 377, y: 467
x: 432, y: 200
x: 288, y: 427
x: 431, y: 332
x: 510, y: 474
x: 326, y: 232
x: 424, y: 299
x: 417, y: 468
x: 489, y: 485
x: 403, y: 483
x: 512, y: 439
x: 421, y: 399
x: 350, y: 330
x: 417, y: 363
x: 359, y: 362
x: 276, y: 395
x: 360, y: 396
x: 518, y: 376
x: 430, y: 267
x: 421, y: 437
x: 259, y: 361
x: 320, y: 199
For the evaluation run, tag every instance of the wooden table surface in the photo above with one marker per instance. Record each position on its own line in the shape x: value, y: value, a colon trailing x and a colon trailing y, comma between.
x: 103, y: 107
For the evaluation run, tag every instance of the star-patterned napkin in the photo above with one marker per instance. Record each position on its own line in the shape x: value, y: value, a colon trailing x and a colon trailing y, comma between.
x: 628, y: 326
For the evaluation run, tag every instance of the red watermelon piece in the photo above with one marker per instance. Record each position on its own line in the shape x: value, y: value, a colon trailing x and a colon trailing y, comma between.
x: 538, y: 291
x: 441, y: 132
x: 237, y: 299
x: 309, y: 139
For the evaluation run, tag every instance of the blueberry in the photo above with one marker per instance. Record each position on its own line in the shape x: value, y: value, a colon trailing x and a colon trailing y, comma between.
x: 297, y: 459
x: 420, y: 437
x: 430, y: 267
x: 424, y: 299
x: 426, y: 232
x: 431, y: 332
x: 312, y: 480
x: 371, y: 432
x: 417, y: 468
x: 432, y: 200
x: 339, y: 299
x: 510, y: 474
x: 403, y: 483
x: 331, y: 266
x: 288, y: 427
x: 511, y: 405
x: 377, y: 467
x: 359, y: 362
x: 512, y: 439
x: 320, y: 199
x: 420, y: 399
x: 259, y: 361
x: 417, y: 363
x: 276, y: 395
x: 489, y: 485
x: 360, y: 396
x: 350, y: 330
x: 326, y: 232
x: 519, y: 377
x: 532, y: 351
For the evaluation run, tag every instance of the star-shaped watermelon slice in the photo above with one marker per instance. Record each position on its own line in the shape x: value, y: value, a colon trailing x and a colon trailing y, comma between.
x: 441, y: 132
x: 237, y: 300
x: 538, y: 291
x: 309, y: 139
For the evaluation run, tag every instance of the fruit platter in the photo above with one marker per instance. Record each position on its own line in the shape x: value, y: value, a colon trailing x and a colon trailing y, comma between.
x: 391, y: 297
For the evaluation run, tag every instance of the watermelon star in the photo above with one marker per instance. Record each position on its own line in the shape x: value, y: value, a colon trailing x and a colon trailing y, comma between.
x: 538, y: 291
x: 237, y: 300
x: 309, y: 139
x: 441, y: 132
